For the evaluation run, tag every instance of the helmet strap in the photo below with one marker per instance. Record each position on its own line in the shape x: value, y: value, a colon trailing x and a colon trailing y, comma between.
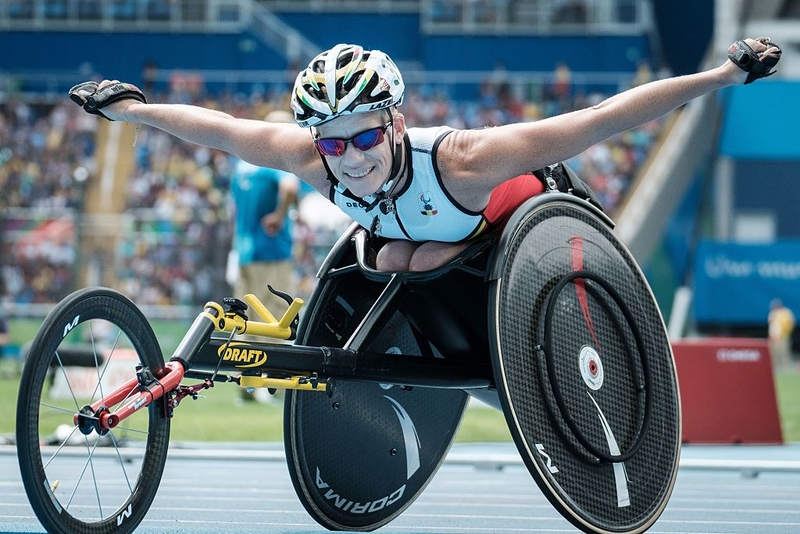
x: 385, y: 195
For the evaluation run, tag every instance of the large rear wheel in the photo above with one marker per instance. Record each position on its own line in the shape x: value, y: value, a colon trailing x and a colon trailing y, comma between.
x: 585, y: 371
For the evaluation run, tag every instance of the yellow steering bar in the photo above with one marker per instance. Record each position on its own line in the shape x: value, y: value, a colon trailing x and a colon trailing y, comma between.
x: 267, y: 327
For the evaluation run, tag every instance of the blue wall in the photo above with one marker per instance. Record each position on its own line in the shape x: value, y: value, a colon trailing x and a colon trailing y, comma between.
x: 769, y: 185
x: 759, y: 133
x: 535, y: 53
x: 399, y: 36
x: 761, y: 121
x: 733, y: 282
x: 123, y: 55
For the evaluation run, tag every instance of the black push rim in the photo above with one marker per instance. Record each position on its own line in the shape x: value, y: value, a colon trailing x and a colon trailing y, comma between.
x: 643, y: 415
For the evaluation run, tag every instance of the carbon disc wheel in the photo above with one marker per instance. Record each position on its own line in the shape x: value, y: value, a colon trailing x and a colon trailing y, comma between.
x: 361, y: 455
x: 585, y: 370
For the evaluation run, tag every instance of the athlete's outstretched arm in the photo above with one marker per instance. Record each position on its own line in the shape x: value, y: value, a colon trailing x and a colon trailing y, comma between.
x: 475, y: 161
x: 266, y: 144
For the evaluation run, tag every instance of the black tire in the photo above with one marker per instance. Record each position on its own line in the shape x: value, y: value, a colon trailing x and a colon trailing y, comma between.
x: 80, y: 483
x: 585, y: 370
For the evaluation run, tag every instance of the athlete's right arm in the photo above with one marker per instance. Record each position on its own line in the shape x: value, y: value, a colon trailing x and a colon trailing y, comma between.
x: 266, y: 144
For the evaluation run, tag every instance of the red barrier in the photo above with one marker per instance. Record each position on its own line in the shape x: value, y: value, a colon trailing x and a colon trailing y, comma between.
x: 727, y: 391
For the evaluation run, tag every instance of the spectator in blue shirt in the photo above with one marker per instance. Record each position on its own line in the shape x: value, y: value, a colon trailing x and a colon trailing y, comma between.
x: 262, y: 242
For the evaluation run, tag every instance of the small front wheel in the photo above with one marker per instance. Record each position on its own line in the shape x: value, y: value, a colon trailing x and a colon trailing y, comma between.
x: 78, y: 479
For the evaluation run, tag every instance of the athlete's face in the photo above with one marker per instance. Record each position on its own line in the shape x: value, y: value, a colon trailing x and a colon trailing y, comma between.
x: 366, y: 153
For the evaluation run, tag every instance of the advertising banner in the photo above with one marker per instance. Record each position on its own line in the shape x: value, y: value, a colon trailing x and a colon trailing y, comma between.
x: 734, y: 283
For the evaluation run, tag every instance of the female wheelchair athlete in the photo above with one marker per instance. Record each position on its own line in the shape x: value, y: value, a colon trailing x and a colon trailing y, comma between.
x: 552, y: 322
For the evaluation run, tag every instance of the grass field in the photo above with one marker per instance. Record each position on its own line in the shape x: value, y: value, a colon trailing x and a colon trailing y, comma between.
x: 221, y: 415
x: 787, y: 388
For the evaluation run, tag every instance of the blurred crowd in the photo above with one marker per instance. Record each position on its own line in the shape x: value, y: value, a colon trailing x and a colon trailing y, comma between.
x: 47, y: 154
x: 178, y: 216
x: 42, y: 147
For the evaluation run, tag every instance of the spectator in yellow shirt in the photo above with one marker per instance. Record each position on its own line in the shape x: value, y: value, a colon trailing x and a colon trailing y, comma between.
x: 781, y: 326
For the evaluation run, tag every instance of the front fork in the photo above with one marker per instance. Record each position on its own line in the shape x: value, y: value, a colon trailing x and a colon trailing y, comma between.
x: 148, y: 386
x: 134, y: 394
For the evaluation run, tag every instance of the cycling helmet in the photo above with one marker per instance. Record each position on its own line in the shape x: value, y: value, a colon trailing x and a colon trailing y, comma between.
x: 363, y: 81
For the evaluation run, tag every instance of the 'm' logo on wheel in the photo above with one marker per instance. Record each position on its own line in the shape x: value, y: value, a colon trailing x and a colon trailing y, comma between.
x: 548, y: 461
x: 126, y: 513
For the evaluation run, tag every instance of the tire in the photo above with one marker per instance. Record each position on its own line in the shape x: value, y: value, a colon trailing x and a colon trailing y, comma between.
x: 78, y: 483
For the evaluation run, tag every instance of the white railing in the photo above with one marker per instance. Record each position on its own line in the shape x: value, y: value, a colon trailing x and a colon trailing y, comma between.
x: 216, y: 16
x: 294, y: 46
x: 465, y: 17
x: 536, y: 17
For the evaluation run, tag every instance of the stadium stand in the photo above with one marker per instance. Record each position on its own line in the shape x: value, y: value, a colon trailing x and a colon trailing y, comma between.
x: 167, y: 234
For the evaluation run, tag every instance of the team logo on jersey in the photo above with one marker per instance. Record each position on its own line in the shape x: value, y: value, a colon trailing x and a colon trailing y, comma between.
x: 426, y: 206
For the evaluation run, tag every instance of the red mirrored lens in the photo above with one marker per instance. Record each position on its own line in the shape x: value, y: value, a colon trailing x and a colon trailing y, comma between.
x: 368, y: 139
x: 363, y: 141
x: 331, y: 147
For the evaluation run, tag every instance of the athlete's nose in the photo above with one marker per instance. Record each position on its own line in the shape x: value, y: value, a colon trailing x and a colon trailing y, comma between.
x: 351, y: 153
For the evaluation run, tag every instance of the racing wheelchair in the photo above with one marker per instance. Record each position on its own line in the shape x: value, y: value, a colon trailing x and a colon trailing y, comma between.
x: 551, y: 321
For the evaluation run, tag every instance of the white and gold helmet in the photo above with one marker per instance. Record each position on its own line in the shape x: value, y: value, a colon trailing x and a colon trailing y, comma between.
x: 345, y: 79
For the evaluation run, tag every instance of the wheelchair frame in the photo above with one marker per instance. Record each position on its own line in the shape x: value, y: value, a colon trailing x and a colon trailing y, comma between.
x: 209, y: 352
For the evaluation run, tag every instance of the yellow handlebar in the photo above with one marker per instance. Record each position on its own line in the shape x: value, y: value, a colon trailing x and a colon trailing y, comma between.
x: 267, y: 327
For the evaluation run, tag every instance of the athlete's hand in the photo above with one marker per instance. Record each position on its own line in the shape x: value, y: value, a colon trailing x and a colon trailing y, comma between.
x: 108, y: 99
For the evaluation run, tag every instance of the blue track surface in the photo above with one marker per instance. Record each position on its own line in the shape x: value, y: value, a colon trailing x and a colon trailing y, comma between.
x: 479, y: 489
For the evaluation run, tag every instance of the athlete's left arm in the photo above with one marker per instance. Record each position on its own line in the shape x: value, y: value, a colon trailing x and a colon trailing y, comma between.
x: 473, y: 162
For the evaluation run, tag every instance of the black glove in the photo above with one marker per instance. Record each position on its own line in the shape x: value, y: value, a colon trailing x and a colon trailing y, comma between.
x: 758, y: 65
x: 90, y: 99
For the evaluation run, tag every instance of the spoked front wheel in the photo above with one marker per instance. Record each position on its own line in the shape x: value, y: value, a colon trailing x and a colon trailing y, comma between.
x: 79, y: 479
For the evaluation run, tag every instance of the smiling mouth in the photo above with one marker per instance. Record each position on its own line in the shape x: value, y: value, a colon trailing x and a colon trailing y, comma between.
x: 359, y: 175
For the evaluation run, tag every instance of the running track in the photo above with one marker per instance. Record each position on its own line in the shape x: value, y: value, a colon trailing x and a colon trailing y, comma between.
x: 479, y: 489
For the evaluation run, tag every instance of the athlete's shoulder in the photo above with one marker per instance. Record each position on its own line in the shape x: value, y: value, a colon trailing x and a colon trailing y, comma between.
x: 425, y: 139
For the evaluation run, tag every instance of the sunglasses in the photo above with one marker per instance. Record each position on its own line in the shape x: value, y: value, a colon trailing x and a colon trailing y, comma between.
x: 329, y: 146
